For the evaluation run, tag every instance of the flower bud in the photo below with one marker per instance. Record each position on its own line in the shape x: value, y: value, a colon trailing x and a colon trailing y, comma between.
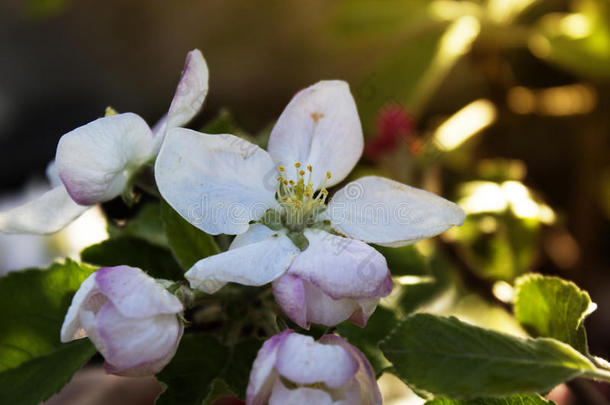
x: 294, y: 369
x: 306, y: 303
x: 129, y: 317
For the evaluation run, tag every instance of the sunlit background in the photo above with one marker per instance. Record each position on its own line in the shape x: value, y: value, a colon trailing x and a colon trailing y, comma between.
x: 499, y: 105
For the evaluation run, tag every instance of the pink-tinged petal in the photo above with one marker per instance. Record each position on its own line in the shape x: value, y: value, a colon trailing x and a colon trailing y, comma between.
x: 134, y: 293
x: 265, y: 258
x: 263, y: 371
x: 383, y: 211
x: 298, y: 396
x: 289, y: 294
x: 365, y: 377
x: 158, y: 131
x: 87, y: 317
x: 188, y: 99
x: 71, y: 326
x: 320, y: 126
x: 303, y: 361
x: 147, y: 368
x: 324, y: 310
x: 46, y: 214
x: 366, y: 308
x: 136, y: 346
x: 191, y: 90
x: 342, y: 267
x: 219, y: 183
x: 95, y: 161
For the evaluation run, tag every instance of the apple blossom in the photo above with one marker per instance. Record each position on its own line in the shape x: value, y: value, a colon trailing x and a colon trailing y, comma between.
x: 96, y: 161
x: 130, y: 318
x: 275, y: 202
x: 294, y: 369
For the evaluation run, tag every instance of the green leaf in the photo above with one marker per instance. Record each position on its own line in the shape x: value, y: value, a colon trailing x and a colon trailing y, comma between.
x: 39, y: 378
x: 446, y: 357
x: 146, y: 225
x: 218, y: 390
x: 34, y: 364
x: 188, y: 378
x: 223, y: 123
x: 514, y: 400
x: 34, y: 303
x: 155, y: 260
x: 405, y: 260
x: 237, y: 370
x: 552, y: 307
x: 201, y: 361
x: 367, y: 339
x: 188, y: 243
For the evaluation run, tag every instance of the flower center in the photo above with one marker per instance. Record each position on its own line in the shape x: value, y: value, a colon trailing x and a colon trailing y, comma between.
x: 300, y: 202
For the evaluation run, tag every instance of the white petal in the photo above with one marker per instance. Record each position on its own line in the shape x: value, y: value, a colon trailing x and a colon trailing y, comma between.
x: 71, y: 326
x: 298, y: 396
x: 52, y: 175
x: 134, y: 345
x: 341, y: 267
x: 303, y: 361
x: 134, y: 293
x: 266, y: 257
x: 383, y: 211
x: 191, y: 91
x: 188, y: 99
x: 219, y: 183
x: 320, y: 126
x: 263, y: 371
x: 96, y: 160
x: 48, y: 213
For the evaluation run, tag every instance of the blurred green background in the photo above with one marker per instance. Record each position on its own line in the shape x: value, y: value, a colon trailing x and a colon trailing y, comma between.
x: 499, y: 105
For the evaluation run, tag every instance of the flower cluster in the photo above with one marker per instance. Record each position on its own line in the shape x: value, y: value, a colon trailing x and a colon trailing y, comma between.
x: 289, y: 232
x: 97, y: 161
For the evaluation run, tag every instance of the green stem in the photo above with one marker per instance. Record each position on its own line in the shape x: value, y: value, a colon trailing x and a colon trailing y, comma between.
x: 598, y: 374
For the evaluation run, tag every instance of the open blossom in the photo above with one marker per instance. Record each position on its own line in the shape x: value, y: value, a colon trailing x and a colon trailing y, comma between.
x: 130, y: 318
x: 96, y: 161
x: 276, y: 203
x: 294, y: 369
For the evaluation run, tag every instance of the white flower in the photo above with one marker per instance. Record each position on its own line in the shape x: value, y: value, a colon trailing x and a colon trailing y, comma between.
x: 293, y: 369
x: 96, y: 161
x: 221, y: 183
x: 130, y: 319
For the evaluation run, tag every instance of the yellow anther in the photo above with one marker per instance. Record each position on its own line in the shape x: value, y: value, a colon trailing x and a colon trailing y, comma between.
x: 279, y: 178
x: 110, y: 112
x: 291, y: 182
x: 281, y: 168
x: 302, y: 172
x: 324, y: 191
x: 285, y: 182
x: 310, y: 168
x: 328, y: 175
x: 297, y: 165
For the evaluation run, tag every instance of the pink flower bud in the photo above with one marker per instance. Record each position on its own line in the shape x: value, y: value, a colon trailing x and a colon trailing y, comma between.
x: 294, y: 369
x: 129, y: 317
